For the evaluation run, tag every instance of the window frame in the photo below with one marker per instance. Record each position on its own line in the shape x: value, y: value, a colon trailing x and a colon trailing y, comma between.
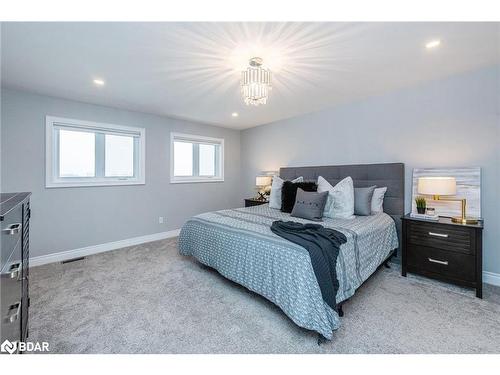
x: 52, y: 179
x: 200, y: 140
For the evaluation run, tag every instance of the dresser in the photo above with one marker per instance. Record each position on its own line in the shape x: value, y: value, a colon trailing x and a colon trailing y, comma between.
x: 444, y: 250
x: 14, y: 264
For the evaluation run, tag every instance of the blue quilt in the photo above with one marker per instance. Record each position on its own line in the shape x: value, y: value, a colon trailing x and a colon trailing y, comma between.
x: 239, y: 244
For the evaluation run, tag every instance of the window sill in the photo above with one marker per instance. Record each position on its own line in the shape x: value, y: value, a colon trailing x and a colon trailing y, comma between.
x: 195, y: 181
x: 53, y: 185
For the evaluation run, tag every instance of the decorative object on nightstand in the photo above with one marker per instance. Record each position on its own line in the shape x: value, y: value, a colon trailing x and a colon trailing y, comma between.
x: 431, y: 211
x: 444, y: 250
x: 263, y: 185
x: 421, y: 204
x: 249, y: 202
x: 438, y: 186
x: 424, y: 212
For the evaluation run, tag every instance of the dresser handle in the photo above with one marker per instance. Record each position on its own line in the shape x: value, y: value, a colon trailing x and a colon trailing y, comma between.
x: 438, y: 235
x: 13, y: 317
x: 443, y: 262
x: 13, y: 229
x: 15, y: 271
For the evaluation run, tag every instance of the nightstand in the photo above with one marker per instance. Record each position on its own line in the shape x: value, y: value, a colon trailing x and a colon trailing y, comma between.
x: 249, y: 202
x: 444, y: 250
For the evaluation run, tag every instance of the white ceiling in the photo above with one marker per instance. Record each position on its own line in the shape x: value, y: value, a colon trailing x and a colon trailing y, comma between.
x: 192, y: 70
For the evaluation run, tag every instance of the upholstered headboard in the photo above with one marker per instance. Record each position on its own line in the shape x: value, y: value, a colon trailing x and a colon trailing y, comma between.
x: 391, y: 175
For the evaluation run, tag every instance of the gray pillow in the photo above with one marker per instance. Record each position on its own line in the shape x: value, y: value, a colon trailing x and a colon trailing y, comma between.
x: 309, y: 205
x: 363, y: 200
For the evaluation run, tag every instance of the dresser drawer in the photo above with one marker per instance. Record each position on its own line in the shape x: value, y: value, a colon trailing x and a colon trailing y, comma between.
x: 14, y: 288
x: 11, y: 276
x: 445, y: 237
x: 449, y: 264
x: 11, y: 297
x: 10, y: 234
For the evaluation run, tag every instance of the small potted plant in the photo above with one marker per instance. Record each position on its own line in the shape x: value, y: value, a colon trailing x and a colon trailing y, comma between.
x: 420, y: 202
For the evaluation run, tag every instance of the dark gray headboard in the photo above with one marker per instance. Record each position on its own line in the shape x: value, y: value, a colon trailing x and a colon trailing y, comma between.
x: 391, y: 175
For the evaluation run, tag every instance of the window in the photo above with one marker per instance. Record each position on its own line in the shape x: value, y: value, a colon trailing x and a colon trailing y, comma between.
x: 83, y: 153
x: 196, y: 159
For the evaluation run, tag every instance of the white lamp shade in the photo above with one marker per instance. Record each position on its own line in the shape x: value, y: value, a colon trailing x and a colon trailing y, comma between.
x: 437, y: 186
x: 263, y: 180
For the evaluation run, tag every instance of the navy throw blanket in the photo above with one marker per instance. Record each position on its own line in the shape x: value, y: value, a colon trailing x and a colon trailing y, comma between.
x: 323, y: 245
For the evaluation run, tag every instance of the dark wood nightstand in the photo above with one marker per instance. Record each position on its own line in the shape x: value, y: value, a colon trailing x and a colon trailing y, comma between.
x: 249, y: 202
x: 444, y: 250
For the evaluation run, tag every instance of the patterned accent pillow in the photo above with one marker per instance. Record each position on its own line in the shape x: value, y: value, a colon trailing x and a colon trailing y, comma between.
x: 340, y: 202
x: 378, y: 200
x: 277, y: 185
x: 289, y: 193
x: 309, y: 205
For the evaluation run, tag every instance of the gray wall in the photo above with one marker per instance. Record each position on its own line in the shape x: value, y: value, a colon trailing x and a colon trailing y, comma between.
x: 69, y: 218
x: 452, y: 122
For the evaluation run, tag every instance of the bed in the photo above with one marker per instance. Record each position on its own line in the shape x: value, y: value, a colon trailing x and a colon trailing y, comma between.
x: 239, y: 244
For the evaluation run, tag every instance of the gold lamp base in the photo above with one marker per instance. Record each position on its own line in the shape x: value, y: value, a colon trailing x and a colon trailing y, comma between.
x: 459, y: 219
x: 466, y: 220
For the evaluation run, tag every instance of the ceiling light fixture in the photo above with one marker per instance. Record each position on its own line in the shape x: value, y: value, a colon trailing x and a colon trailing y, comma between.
x: 255, y: 83
x: 234, y: 114
x: 433, y: 44
x: 99, y: 82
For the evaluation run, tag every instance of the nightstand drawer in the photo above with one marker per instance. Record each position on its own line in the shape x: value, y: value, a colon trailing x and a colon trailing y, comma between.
x: 445, y: 237
x: 446, y: 263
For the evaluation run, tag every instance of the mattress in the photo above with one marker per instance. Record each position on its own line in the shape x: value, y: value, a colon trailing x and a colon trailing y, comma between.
x: 239, y: 244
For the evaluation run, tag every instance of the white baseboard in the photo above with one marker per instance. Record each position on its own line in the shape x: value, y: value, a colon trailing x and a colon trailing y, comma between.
x: 101, y: 248
x: 491, y: 278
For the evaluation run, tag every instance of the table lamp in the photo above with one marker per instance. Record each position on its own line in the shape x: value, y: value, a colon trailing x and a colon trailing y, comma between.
x: 262, y: 183
x: 438, y: 186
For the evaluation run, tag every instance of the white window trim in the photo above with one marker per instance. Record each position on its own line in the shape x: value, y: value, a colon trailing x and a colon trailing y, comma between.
x: 191, y: 179
x: 52, y: 181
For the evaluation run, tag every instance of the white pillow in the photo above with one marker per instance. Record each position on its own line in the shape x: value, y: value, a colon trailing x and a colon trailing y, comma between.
x: 340, y: 202
x: 275, y: 196
x: 378, y: 200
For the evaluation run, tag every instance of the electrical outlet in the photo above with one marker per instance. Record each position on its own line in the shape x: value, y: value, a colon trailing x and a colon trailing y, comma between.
x: 160, y: 220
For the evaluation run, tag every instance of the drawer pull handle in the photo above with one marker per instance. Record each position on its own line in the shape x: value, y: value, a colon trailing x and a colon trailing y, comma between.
x: 438, y: 234
x: 11, y: 318
x: 15, y: 271
x: 13, y: 229
x: 443, y: 262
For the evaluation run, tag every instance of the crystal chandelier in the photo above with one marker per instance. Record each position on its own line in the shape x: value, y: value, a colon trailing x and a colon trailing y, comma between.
x: 255, y: 83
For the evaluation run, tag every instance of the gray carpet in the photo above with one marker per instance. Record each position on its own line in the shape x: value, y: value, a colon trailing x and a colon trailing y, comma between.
x: 149, y: 299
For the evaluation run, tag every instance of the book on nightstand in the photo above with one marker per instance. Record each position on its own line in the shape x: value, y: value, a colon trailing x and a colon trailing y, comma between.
x: 425, y: 216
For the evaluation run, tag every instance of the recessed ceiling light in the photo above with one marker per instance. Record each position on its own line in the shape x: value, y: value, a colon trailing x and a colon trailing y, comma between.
x: 234, y: 114
x: 433, y: 44
x: 99, y: 82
